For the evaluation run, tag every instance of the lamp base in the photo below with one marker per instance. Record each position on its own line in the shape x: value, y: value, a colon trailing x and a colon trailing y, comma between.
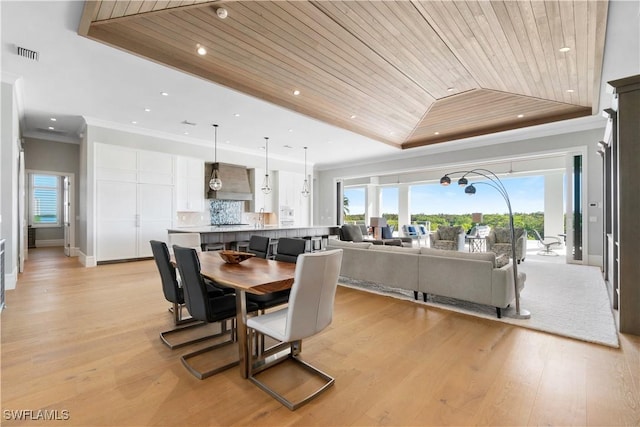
x: 511, y: 312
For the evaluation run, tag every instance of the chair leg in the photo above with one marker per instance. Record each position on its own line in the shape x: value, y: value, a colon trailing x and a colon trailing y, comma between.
x: 206, y: 374
x: 294, y: 349
x: 178, y: 320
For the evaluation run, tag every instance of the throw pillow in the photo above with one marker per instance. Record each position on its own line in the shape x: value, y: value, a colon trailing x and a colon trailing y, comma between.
x: 503, y: 235
x: 502, y: 260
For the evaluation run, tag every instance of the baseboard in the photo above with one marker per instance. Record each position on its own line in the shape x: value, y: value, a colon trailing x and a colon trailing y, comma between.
x: 87, y: 261
x: 49, y: 243
x: 74, y: 252
x: 10, y: 279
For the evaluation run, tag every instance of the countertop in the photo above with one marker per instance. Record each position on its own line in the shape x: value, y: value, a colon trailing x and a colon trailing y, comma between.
x: 231, y: 228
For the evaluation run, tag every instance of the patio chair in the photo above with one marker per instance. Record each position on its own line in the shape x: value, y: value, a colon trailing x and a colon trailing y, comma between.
x: 547, y: 243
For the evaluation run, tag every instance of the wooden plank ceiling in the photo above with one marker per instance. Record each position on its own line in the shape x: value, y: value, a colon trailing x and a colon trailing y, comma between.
x: 407, y: 73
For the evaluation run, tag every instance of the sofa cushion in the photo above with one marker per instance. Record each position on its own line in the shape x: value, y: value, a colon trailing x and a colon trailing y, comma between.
x: 480, y: 256
x: 335, y: 243
x: 350, y: 232
x: 398, y: 249
x: 449, y: 233
x: 503, y: 235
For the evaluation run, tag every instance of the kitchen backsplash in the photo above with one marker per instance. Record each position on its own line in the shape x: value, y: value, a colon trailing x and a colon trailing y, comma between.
x: 226, y: 211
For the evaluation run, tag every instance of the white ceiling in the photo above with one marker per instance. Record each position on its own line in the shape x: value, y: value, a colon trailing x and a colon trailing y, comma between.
x: 76, y: 79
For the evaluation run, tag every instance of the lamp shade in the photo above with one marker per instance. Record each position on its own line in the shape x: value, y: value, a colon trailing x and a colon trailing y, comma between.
x: 378, y: 221
x: 476, y: 217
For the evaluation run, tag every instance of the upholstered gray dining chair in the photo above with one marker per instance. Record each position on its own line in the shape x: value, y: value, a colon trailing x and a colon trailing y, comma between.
x: 310, y: 311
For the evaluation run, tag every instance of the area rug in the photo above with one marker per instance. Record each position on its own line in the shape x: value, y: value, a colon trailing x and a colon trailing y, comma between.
x: 567, y: 300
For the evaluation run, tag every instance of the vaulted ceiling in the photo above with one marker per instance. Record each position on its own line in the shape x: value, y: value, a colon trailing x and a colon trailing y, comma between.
x: 407, y: 73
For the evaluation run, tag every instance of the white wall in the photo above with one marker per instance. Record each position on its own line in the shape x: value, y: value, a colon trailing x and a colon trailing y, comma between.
x: 459, y: 155
x: 9, y: 161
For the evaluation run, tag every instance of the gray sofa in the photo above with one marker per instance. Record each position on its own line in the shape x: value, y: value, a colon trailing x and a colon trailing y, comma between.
x: 476, y: 277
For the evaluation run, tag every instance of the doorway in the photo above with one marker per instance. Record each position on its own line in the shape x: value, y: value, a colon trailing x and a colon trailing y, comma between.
x: 50, y: 210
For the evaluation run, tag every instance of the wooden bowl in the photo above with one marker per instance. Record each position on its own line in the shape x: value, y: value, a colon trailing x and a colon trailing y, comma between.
x: 235, y: 257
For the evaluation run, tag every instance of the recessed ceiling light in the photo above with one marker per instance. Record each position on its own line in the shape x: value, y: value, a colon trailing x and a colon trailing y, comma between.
x: 570, y: 90
x: 436, y: 133
x: 164, y: 94
x: 133, y: 122
x: 186, y: 133
x: 236, y: 115
x: 51, y: 128
x: 520, y: 116
x: 53, y: 119
x: 451, y: 89
x: 227, y: 142
x: 222, y: 12
x: 296, y: 92
x: 201, y: 50
x: 147, y: 110
x: 353, y: 116
x: 564, y: 49
x: 290, y: 130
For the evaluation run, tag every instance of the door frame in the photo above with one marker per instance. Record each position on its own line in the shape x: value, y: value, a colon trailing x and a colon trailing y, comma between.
x: 72, y: 250
x: 583, y: 203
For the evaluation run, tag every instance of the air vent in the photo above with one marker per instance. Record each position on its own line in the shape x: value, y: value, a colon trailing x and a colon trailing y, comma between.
x: 28, y: 53
x: 187, y: 122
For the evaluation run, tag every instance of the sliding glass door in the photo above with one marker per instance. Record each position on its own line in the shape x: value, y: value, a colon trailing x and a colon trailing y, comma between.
x: 575, y: 209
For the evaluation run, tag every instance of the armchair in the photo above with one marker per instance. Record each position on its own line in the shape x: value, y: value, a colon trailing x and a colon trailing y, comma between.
x: 448, y: 238
x: 499, y: 241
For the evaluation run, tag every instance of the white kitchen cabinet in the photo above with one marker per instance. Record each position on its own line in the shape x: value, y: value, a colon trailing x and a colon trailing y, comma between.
x: 134, y: 195
x: 291, y: 200
x: 189, y: 184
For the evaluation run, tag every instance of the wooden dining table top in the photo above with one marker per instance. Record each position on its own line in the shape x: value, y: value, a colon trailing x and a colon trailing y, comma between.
x: 254, y: 275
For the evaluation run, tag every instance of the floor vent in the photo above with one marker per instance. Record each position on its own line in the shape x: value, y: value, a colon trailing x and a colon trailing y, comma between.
x: 28, y: 53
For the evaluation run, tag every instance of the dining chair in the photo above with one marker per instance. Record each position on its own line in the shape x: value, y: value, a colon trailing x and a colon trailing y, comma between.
x: 259, y: 245
x: 175, y: 295
x: 194, y: 240
x: 289, y: 249
x: 310, y: 311
x: 205, y: 308
x: 187, y: 240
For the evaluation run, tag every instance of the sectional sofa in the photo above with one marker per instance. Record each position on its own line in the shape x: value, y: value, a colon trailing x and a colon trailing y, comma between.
x: 481, y: 278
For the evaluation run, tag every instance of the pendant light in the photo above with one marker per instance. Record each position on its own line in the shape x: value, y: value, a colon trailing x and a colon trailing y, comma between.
x: 305, y: 185
x: 266, y: 187
x: 215, y: 183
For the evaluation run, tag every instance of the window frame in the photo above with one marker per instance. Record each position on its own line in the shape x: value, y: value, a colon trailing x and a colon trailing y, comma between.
x: 58, y: 188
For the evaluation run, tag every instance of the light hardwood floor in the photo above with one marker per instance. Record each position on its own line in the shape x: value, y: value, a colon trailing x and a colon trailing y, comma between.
x: 86, y: 340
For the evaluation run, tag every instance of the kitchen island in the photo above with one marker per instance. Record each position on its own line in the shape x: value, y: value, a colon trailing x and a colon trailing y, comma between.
x: 228, y: 234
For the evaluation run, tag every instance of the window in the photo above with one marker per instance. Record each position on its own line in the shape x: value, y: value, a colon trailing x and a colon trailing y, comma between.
x: 353, y: 205
x: 45, y: 200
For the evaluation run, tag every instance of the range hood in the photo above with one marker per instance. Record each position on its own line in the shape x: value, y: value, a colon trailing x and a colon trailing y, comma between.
x: 235, y: 182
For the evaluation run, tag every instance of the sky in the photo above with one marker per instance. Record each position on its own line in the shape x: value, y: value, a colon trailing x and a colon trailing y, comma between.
x: 526, y: 195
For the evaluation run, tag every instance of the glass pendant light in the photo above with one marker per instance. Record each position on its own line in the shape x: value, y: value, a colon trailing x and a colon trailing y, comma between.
x: 305, y: 184
x: 266, y: 187
x: 215, y: 183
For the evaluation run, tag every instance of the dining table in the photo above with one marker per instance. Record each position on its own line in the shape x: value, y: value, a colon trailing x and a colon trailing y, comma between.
x: 253, y: 275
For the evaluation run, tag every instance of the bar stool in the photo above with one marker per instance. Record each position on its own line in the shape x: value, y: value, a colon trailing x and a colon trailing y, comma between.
x: 213, y: 246
x: 273, y: 249
x: 241, y: 246
x: 324, y: 242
